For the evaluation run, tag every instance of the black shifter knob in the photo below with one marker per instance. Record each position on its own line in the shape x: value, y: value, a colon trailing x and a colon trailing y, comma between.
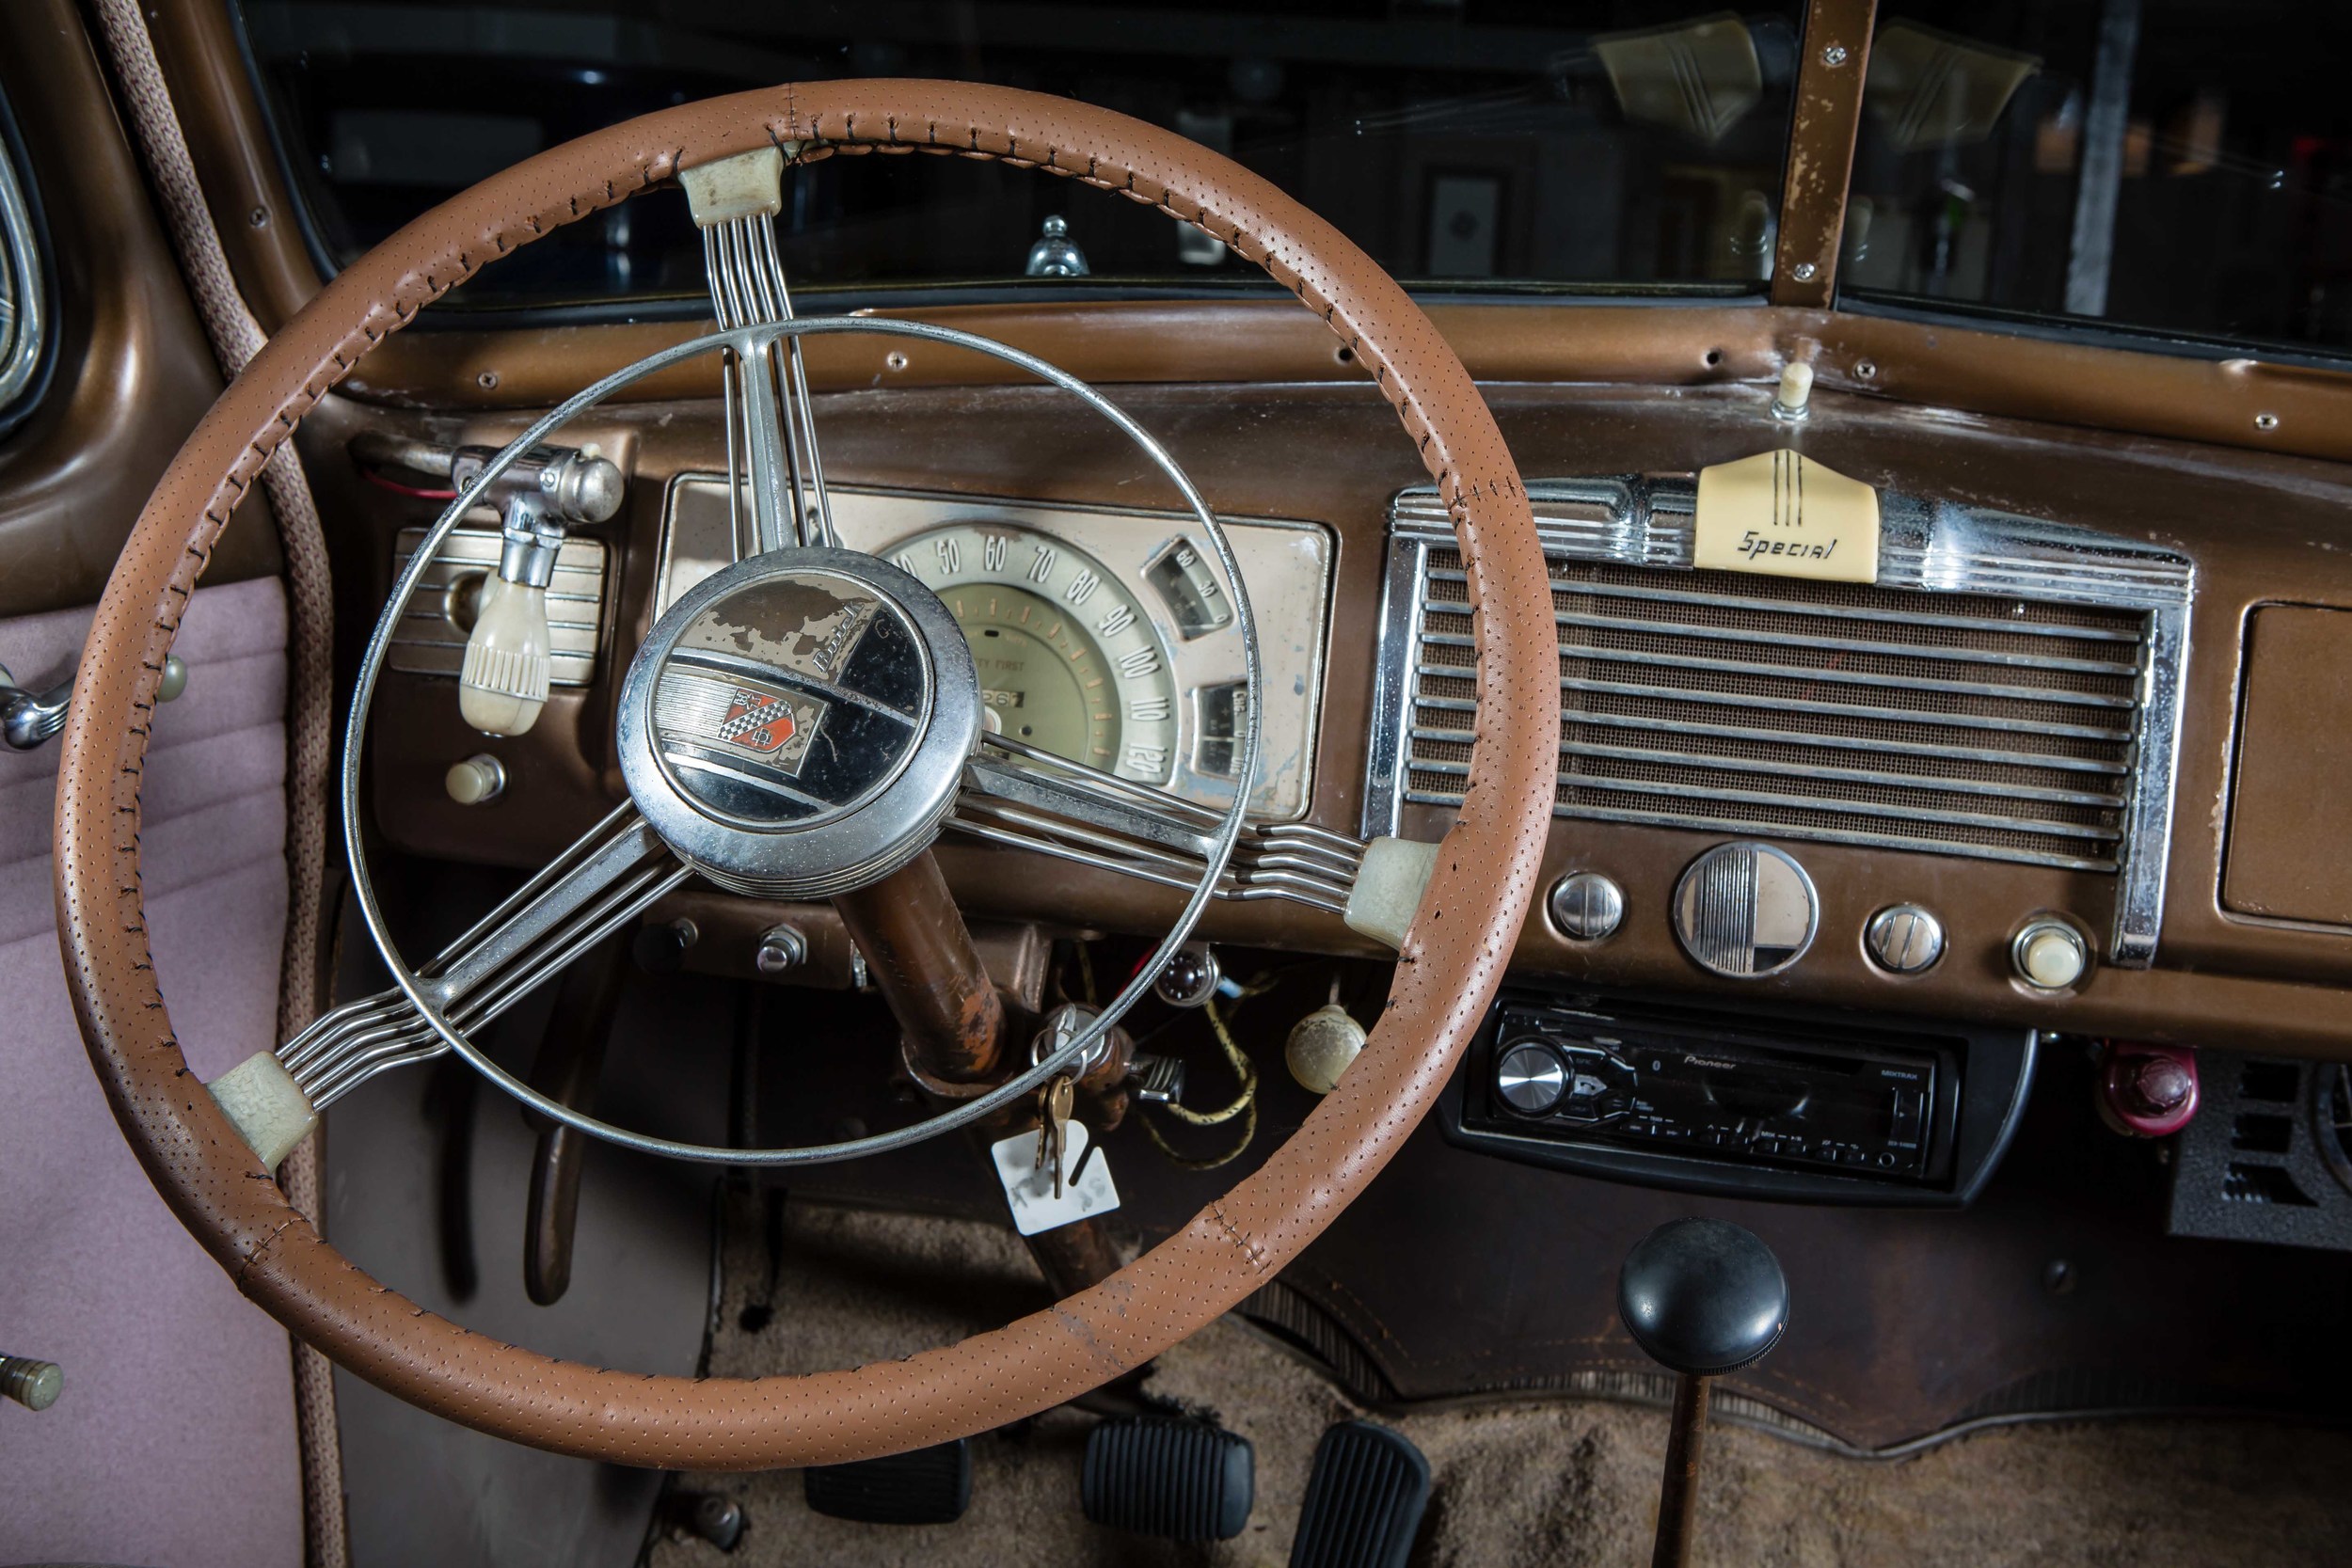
x: 1703, y: 1296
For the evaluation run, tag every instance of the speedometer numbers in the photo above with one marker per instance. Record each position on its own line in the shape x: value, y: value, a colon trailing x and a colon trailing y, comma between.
x: 1069, y: 661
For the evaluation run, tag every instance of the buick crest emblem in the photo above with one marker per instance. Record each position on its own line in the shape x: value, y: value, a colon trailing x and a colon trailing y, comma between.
x: 757, y: 722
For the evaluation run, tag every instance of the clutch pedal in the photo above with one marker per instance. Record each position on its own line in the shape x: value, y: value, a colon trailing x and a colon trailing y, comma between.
x: 928, y: 1486
x: 1364, y: 1499
x: 1164, y: 1476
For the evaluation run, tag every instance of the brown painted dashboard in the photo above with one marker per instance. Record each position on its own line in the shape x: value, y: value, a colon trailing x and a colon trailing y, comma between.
x: 2255, y: 968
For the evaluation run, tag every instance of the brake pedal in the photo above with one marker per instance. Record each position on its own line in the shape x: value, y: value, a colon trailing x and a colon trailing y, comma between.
x: 928, y: 1486
x: 1160, y: 1475
x: 1364, y: 1499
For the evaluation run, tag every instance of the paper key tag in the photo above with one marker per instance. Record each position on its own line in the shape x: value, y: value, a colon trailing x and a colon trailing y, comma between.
x: 1030, y: 1186
x: 1783, y: 514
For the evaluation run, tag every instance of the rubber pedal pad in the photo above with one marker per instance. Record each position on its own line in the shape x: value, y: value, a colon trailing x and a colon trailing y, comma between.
x: 927, y: 1486
x: 1160, y: 1475
x: 1364, y: 1500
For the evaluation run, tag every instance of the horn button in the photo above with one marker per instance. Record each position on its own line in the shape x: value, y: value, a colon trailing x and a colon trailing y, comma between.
x: 797, y: 724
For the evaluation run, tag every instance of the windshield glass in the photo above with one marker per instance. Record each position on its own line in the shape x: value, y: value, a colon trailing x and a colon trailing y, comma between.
x: 1467, y: 143
x: 2177, y: 167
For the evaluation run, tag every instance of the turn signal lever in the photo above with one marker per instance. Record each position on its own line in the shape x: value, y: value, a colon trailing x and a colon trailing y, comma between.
x: 502, y: 684
x: 1703, y: 1297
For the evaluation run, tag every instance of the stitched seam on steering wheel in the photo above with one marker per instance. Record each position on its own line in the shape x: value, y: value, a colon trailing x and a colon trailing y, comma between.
x: 1250, y: 1250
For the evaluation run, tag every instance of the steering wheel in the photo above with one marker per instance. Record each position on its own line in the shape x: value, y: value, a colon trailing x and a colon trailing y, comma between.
x: 204, y: 1161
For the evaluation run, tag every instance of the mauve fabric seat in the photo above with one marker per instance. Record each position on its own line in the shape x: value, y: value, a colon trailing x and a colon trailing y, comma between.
x: 173, y: 1444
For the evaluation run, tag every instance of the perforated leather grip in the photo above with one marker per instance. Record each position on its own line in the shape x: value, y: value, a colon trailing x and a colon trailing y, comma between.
x: 1450, y: 966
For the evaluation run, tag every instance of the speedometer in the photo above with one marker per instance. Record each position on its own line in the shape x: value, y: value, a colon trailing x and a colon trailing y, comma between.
x: 1068, y: 660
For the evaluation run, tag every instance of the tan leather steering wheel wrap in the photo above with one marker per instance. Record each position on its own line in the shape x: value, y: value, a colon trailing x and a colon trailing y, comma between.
x: 1450, y: 967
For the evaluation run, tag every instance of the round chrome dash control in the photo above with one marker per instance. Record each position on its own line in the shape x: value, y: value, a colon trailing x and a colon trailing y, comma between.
x: 1530, y: 1078
x: 1586, y: 906
x: 1905, y: 939
x: 797, y: 724
x: 1745, y: 911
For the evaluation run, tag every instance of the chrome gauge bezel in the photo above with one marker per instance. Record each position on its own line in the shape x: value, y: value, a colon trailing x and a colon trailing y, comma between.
x: 1289, y: 563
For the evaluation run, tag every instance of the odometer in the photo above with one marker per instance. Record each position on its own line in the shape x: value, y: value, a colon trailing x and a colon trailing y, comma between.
x: 1068, y: 660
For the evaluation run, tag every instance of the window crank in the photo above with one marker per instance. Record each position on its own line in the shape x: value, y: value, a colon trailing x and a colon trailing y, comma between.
x: 29, y: 717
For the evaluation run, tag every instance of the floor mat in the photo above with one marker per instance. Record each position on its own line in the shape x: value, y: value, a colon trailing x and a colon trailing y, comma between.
x: 1567, y: 1483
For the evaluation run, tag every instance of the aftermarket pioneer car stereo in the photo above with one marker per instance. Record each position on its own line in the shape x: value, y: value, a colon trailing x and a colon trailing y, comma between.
x: 1816, y: 1107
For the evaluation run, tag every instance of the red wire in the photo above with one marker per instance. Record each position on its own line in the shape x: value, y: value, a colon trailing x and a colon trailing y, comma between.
x: 397, y: 489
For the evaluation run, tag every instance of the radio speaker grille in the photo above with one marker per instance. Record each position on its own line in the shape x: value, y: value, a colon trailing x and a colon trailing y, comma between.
x: 2008, y: 689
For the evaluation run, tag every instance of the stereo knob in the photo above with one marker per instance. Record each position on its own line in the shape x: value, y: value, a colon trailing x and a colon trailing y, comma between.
x: 1745, y: 911
x: 1530, y: 1078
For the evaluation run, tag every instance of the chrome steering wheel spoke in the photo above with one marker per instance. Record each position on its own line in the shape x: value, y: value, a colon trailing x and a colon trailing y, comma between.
x: 1015, y: 794
x: 770, y: 422
x: 601, y: 882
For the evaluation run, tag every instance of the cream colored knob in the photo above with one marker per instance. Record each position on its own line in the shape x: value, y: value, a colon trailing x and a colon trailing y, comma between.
x: 2050, y: 954
x: 475, y: 782
x: 1795, y: 398
x: 1320, y: 1047
x: 503, y: 683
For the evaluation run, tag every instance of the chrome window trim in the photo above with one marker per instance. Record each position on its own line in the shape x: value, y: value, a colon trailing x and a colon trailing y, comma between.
x: 1925, y: 546
x: 23, y: 297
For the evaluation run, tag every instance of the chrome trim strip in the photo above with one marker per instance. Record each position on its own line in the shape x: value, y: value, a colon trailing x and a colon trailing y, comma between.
x: 1830, y: 804
x: 1701, y: 761
x: 1925, y: 546
x: 1403, y: 597
x: 1842, y: 677
x: 23, y: 297
x: 1752, y: 826
x: 1818, y: 612
x: 427, y: 643
x: 1800, y: 640
x: 1792, y: 737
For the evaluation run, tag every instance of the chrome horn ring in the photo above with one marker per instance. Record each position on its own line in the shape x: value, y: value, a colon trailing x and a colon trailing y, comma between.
x: 743, y: 341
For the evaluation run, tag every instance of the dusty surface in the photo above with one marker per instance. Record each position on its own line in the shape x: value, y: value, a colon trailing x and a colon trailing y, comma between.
x: 1557, y: 1483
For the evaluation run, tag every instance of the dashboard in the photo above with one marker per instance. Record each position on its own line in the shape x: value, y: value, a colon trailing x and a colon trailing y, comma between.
x: 1996, y: 784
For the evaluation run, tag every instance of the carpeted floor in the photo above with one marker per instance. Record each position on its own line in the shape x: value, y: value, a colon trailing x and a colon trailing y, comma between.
x: 1552, y: 1482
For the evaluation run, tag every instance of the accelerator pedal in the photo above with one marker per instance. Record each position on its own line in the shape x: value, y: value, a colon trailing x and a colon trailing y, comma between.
x: 1161, y: 1475
x: 928, y: 1486
x: 1364, y: 1499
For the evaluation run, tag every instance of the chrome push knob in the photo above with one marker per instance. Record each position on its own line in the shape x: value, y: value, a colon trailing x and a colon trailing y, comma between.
x: 1905, y: 939
x: 1586, y: 906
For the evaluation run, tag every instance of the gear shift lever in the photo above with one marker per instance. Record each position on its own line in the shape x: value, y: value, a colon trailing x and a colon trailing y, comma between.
x: 1702, y: 1297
